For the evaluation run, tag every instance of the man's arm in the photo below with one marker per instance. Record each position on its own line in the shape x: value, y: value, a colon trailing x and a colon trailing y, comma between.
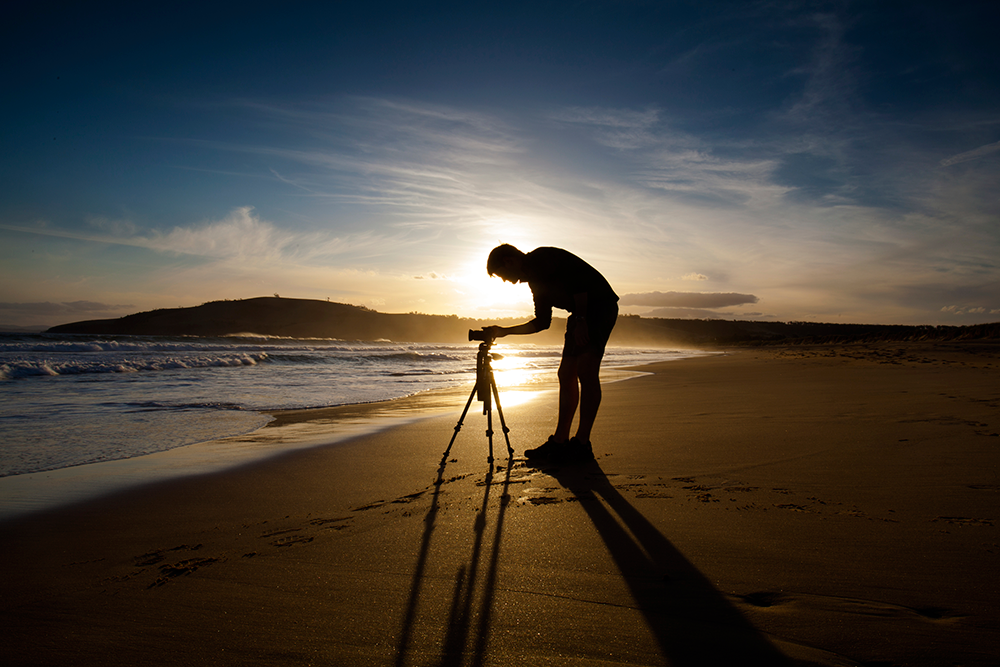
x: 534, y: 326
x: 541, y: 321
x: 540, y: 324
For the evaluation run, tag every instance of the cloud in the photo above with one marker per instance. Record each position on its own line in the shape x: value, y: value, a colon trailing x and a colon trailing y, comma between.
x: 969, y: 310
x: 106, y: 225
x: 65, y: 307
x: 811, y: 176
x: 971, y: 155
x: 422, y: 168
x: 240, y: 234
x: 46, y: 310
x: 394, y: 187
x: 244, y: 236
x: 448, y: 177
x: 830, y: 87
x: 687, y: 299
x: 690, y: 314
x: 615, y: 128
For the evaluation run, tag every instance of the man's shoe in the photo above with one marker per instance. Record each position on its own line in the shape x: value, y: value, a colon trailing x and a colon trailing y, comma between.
x: 548, y: 451
x: 579, y: 450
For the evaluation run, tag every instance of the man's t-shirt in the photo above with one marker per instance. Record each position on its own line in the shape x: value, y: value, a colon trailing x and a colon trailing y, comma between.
x: 556, y: 275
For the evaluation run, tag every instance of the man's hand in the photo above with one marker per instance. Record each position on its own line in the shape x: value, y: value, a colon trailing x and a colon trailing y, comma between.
x: 494, y: 332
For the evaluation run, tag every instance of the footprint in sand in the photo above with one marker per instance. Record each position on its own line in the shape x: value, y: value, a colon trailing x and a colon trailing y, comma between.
x: 154, y: 557
x: 291, y: 540
x: 182, y: 568
x: 282, y: 531
x: 805, y: 602
x: 332, y: 524
x: 543, y: 500
x: 964, y: 521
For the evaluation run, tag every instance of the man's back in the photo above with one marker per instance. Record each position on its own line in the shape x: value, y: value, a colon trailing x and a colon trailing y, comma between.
x: 556, y: 276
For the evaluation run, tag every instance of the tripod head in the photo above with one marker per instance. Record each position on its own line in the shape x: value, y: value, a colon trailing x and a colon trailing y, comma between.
x: 484, y: 368
x: 484, y: 335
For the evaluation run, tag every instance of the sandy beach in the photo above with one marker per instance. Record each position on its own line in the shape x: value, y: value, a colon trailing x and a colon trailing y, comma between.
x: 829, y: 505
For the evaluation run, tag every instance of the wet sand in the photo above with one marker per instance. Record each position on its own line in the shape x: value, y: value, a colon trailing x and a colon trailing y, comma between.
x: 811, y: 505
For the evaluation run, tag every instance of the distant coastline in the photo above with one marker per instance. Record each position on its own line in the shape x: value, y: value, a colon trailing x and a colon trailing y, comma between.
x: 310, y: 318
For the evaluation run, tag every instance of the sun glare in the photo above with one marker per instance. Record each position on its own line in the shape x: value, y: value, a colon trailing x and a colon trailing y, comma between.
x: 509, y: 369
x: 516, y: 382
x: 488, y: 297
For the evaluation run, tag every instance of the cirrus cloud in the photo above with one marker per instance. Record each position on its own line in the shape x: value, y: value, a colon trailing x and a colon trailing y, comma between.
x: 688, y: 299
x: 971, y: 155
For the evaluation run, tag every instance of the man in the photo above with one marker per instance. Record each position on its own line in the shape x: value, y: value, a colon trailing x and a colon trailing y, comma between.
x: 560, y: 279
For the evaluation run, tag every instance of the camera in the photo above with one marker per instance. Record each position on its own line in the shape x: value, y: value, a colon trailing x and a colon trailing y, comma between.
x: 481, y: 335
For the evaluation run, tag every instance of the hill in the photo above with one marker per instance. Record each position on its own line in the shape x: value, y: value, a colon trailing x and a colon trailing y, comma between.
x: 307, y: 318
x: 291, y: 318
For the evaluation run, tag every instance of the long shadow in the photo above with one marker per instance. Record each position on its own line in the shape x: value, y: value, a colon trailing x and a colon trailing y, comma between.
x: 462, y: 611
x: 462, y: 616
x: 692, y: 622
x: 403, y: 645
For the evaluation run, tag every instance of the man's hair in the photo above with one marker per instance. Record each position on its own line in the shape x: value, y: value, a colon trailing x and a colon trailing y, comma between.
x: 499, y: 255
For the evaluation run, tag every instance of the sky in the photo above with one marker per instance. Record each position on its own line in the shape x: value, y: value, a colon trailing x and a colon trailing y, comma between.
x: 775, y: 161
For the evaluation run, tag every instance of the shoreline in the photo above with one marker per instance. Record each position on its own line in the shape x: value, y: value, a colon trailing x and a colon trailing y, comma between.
x: 288, y: 431
x: 831, y: 505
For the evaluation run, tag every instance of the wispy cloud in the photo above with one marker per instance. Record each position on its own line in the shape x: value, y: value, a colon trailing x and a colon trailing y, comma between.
x: 974, y: 154
x: 47, y: 311
x: 829, y: 90
x: 687, y: 299
x: 615, y: 128
x: 416, y: 164
x: 970, y: 310
x: 241, y: 236
x: 402, y: 187
x: 702, y: 314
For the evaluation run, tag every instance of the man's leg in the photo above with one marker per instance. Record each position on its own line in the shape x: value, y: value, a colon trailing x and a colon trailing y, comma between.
x: 588, y: 367
x: 569, y: 396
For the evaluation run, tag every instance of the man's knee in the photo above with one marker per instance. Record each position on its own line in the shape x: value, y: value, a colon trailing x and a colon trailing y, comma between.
x: 588, y: 366
x: 568, y: 369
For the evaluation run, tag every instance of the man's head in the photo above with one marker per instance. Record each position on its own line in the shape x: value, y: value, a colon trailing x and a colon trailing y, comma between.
x: 506, y: 261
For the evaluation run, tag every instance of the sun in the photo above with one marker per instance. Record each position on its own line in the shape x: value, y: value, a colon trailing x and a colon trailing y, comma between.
x: 494, y: 295
x: 485, y: 297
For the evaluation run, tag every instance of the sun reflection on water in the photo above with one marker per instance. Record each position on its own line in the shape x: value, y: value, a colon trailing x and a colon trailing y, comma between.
x: 517, y: 377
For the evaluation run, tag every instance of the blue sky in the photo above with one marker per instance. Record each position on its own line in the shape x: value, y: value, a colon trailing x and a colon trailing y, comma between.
x: 832, y: 162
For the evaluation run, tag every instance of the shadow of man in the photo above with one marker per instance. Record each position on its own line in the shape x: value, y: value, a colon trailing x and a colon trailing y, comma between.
x: 692, y: 622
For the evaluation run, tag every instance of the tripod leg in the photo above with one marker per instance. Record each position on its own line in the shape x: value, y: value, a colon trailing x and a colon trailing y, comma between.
x: 458, y: 426
x: 503, y: 424
x: 489, y: 437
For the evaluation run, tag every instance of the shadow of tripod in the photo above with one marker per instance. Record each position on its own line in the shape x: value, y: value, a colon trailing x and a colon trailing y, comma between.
x: 461, y: 615
x: 486, y: 390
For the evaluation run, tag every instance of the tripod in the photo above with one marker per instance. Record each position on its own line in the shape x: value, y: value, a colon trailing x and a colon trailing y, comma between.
x: 486, y: 389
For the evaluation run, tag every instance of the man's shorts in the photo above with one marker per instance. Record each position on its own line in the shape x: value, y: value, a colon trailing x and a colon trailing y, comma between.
x: 601, y: 318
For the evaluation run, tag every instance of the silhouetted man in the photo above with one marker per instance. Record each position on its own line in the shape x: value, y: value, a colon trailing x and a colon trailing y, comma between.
x: 560, y: 279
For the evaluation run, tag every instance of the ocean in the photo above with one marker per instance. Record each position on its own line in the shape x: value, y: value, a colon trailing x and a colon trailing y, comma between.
x: 71, y: 400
